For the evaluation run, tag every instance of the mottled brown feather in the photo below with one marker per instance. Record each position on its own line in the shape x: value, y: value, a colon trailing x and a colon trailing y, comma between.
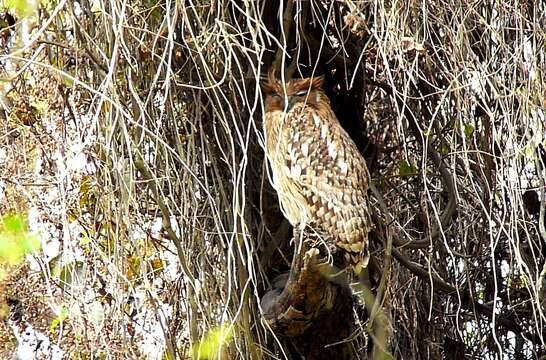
x: 318, y: 172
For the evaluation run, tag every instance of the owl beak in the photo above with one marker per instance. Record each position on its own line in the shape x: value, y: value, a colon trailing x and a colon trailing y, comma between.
x: 291, y: 102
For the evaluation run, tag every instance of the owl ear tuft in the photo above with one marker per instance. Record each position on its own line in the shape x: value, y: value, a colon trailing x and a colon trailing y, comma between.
x: 317, y: 82
x: 268, y: 86
x: 271, y: 75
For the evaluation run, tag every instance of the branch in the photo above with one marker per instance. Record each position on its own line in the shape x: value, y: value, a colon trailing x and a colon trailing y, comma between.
x: 449, y: 289
x: 447, y: 214
x: 287, y: 22
x: 312, y: 307
x: 306, y: 294
x: 447, y: 178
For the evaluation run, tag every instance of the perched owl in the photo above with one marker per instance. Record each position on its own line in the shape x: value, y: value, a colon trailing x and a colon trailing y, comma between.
x: 319, y: 175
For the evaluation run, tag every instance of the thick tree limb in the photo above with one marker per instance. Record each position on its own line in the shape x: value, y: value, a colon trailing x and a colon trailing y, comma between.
x: 312, y: 307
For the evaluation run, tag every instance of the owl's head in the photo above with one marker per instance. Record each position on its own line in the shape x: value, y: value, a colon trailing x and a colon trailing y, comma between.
x: 283, y: 96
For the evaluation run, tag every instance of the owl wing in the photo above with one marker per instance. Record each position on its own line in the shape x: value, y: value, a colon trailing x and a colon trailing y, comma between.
x: 333, y: 177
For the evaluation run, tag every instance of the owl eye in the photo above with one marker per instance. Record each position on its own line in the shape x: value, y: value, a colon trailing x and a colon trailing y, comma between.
x: 301, y: 93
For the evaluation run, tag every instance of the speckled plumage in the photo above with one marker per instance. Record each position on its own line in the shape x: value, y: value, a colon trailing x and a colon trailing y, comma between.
x: 320, y: 176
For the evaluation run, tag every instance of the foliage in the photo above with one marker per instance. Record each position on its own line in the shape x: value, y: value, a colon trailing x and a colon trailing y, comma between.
x: 15, y: 240
x: 211, y: 344
x: 22, y: 8
x: 444, y: 99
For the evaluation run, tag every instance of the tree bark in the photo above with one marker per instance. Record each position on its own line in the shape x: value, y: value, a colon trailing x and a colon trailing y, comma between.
x: 311, y: 307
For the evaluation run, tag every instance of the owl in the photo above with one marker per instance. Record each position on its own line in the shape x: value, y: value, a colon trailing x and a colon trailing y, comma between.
x: 320, y: 176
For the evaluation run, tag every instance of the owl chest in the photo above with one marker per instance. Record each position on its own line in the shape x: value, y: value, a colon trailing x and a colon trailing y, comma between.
x: 284, y: 177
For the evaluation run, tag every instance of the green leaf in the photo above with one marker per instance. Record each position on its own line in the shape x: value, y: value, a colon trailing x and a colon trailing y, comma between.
x: 209, y: 347
x: 22, y: 8
x: 15, y: 240
x: 62, y: 316
x: 468, y: 130
x: 406, y: 169
x: 14, y: 224
x: 444, y: 149
x: 481, y: 294
x: 156, y: 13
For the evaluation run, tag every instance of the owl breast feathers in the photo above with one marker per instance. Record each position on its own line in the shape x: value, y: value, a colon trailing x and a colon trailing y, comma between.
x: 320, y: 176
